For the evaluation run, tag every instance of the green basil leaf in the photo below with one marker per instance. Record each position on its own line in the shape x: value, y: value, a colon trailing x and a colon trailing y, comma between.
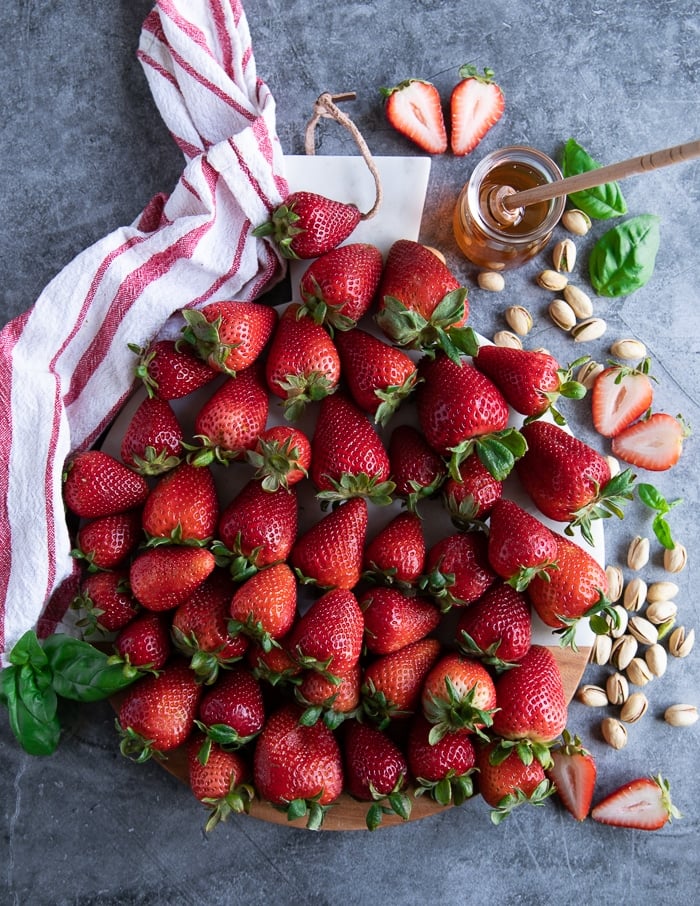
x: 600, y: 202
x: 28, y: 650
x: 81, y: 672
x: 652, y: 498
x: 31, y: 710
x: 623, y: 259
x: 662, y: 530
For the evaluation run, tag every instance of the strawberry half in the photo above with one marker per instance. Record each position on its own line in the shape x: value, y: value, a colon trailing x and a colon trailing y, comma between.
x: 654, y: 443
x: 573, y: 772
x: 476, y: 104
x: 414, y: 109
x: 619, y: 396
x: 643, y: 804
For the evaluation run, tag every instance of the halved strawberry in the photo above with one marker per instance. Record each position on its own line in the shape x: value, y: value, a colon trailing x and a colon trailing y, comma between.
x: 654, y: 443
x: 643, y: 803
x: 573, y: 772
x: 476, y: 105
x: 414, y: 109
x: 619, y: 396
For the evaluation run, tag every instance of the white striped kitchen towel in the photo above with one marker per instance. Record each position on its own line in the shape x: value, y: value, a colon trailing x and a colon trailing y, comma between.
x: 65, y: 367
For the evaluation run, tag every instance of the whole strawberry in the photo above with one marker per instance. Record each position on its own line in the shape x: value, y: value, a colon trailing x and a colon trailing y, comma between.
x: 507, y: 782
x: 281, y: 457
x: 145, y: 641
x: 163, y: 577
x: 183, y: 507
x: 229, y: 336
x: 152, y: 442
x: 329, y: 553
x: 106, y: 541
x: 105, y: 601
x: 497, y: 628
x: 331, y: 698
x: 520, y: 547
x: 471, y: 496
x: 457, y: 570
x: 393, y: 620
x: 231, y: 712
x: 308, y: 225
x: 442, y: 769
x: 221, y: 783
x: 264, y: 606
x: 328, y: 637
x: 458, y: 694
x: 97, y: 484
x: 392, y: 683
x: 170, y: 370
x: 396, y: 554
x: 416, y: 469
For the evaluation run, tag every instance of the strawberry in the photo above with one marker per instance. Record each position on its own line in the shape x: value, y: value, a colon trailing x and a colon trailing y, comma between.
x: 183, y: 507
x: 329, y: 554
x: 619, y: 396
x: 221, y: 783
x: 573, y: 772
x: 264, y: 606
x: 461, y: 411
x: 328, y: 637
x: 163, y: 577
x: 531, y: 706
x: 97, y: 484
x: 281, y: 457
x: 106, y: 602
x: 442, y: 769
x: 569, y: 481
x: 232, y: 712
x: 394, y: 620
x: 152, y: 442
x: 396, y: 554
x: 298, y: 768
x: 334, y: 698
x: 145, y: 642
x: 231, y: 420
x: 276, y: 666
x: 470, y: 497
x: 376, y: 771
x: 337, y: 289
x: 497, y: 628
x: 303, y: 364
x: 421, y: 304
x: 257, y: 528
x: 654, y: 443
x: 229, y: 336
x: 348, y: 456
x: 520, y: 546
x: 458, y: 694
x: 507, y: 782
x: 416, y: 469
x: 642, y: 804
x: 170, y: 371
x: 457, y: 570
x: 157, y: 713
x: 392, y: 684
x: 476, y: 105
x: 308, y: 225
x: 414, y: 109
x: 107, y: 541
x: 379, y: 377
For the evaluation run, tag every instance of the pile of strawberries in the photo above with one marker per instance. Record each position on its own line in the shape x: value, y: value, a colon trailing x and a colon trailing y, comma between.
x: 295, y: 653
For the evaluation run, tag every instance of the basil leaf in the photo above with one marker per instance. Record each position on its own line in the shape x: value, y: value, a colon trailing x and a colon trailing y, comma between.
x: 81, y: 672
x: 600, y: 202
x: 623, y: 259
x: 28, y: 650
x: 31, y: 709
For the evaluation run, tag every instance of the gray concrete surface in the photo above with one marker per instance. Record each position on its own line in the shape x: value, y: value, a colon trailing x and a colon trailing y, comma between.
x: 83, y: 149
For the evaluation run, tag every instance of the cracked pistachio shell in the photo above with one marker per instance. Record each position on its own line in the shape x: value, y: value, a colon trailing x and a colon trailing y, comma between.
x: 564, y: 256
x: 562, y: 314
x: 657, y: 659
x: 660, y: 612
x: 662, y: 591
x: 675, y: 559
x: 634, y: 708
x: 551, y: 279
x: 519, y: 319
x: 614, y: 732
x: 635, y: 594
x: 624, y: 650
x: 643, y: 630
x: 590, y: 329
x: 638, y: 672
x: 507, y: 338
x: 638, y: 553
x: 491, y: 281
x: 681, y: 641
x: 628, y: 349
x: 681, y: 715
x: 576, y: 222
x: 592, y: 696
x: 617, y: 688
x: 579, y: 301
x: 615, y: 582
x: 601, y: 650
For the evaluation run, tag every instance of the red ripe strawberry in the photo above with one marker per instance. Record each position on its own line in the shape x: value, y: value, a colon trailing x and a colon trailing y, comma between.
x: 338, y: 288
x: 328, y: 637
x: 152, y: 442
x: 573, y: 772
x: 619, y: 396
x: 265, y: 605
x: 97, y: 484
x: 531, y: 705
x: 231, y: 420
x: 349, y: 458
x: 642, y: 804
x: 376, y: 771
x: 220, y: 784
x: 497, y: 628
x: 416, y: 469
x: 200, y: 628
x: 392, y: 684
x: 414, y: 109
x: 379, y: 377
x: 106, y: 602
x: 458, y: 694
x: 420, y: 302
x: 476, y: 105
x: 183, y: 507
x: 568, y: 480
x: 229, y: 335
x: 308, y: 225
x: 330, y: 552
x: 303, y: 364
x: 163, y: 577
x: 281, y: 457
x: 520, y: 546
x: 157, y: 713
x: 654, y: 443
x: 394, y: 620
x: 145, y: 642
x: 507, y: 782
x: 232, y: 712
x: 276, y: 666
x: 105, y: 542
x: 576, y: 589
x: 333, y: 698
x: 457, y: 570
x: 471, y: 496
x: 443, y: 769
x: 258, y: 528
x: 170, y: 371
x: 298, y: 768
x: 396, y: 554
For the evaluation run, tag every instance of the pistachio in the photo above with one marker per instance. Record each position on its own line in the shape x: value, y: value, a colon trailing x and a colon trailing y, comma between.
x: 638, y: 553
x: 615, y: 582
x: 659, y: 612
x: 638, y: 672
x: 592, y: 696
x: 564, y: 256
x: 661, y: 591
x: 562, y: 314
x: 601, y: 649
x: 507, y: 338
x: 681, y: 715
x: 576, y: 222
x: 681, y: 642
x: 643, y: 630
x: 491, y: 281
x: 614, y: 732
x: 635, y: 594
x: 618, y: 623
x: 579, y: 301
x: 519, y: 319
x: 623, y: 651
x: 549, y: 279
x: 634, y: 708
x: 617, y: 688
x: 675, y: 559
x: 657, y: 659
x: 628, y: 349
x: 613, y: 465
x: 665, y: 627
x: 590, y: 329
x: 588, y: 373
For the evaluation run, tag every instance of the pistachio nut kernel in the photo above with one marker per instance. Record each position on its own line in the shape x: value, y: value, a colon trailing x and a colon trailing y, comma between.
x: 638, y: 672
x: 635, y: 594
x: 681, y: 641
x: 617, y: 688
x: 576, y: 222
x: 662, y: 591
x: 508, y: 339
x: 588, y: 330
x: 665, y: 628
x: 491, y: 281
x: 660, y: 612
x: 634, y: 708
x: 623, y: 651
x: 615, y: 582
x: 628, y: 349
x: 657, y: 659
x: 579, y: 301
x: 675, y: 559
x: 613, y: 732
x: 681, y: 715
x: 638, y: 553
x: 601, y: 650
x: 562, y: 314
x: 519, y: 319
x: 592, y: 696
x: 552, y: 280
x: 564, y: 256
x: 643, y: 630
